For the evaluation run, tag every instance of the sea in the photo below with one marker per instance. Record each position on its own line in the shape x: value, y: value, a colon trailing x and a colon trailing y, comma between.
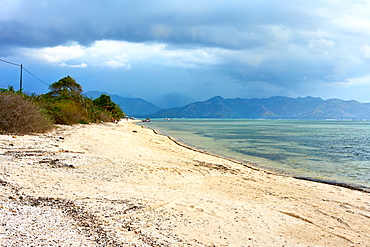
x: 329, y: 151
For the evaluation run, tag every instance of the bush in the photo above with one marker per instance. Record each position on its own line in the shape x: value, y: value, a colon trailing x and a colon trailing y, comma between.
x: 20, y: 115
x: 103, y: 116
x: 68, y: 112
x: 64, y: 104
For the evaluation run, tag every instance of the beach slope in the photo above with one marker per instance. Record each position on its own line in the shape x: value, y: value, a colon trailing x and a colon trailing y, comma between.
x: 124, y: 185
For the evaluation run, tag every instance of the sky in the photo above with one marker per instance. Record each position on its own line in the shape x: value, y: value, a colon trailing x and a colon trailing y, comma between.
x: 197, y: 48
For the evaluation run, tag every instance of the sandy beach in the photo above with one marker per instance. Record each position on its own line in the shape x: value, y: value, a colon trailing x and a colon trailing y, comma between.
x: 125, y: 185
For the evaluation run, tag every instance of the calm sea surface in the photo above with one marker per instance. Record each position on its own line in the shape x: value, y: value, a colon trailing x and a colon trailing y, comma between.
x: 326, y: 150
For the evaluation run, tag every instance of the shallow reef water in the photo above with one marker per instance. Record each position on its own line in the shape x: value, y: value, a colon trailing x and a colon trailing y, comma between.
x: 336, y: 151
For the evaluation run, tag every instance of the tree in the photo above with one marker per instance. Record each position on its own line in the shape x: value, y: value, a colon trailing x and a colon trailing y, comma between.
x: 105, y: 102
x: 66, y: 104
x: 66, y: 87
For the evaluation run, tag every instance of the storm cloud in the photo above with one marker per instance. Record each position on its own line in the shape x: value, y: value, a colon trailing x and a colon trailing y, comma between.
x: 200, y: 49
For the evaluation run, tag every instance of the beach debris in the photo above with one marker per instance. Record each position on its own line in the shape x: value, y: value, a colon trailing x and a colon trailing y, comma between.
x: 50, y: 216
x: 56, y: 163
x: 219, y: 167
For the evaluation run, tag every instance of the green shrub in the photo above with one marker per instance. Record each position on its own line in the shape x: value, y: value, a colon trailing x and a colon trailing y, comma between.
x: 64, y: 104
x: 64, y: 111
x: 20, y: 115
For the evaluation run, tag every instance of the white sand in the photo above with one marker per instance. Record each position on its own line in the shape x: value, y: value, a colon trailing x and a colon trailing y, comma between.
x: 132, y: 187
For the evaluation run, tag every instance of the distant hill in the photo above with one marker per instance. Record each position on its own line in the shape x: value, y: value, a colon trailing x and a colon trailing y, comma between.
x: 274, y: 107
x: 130, y: 106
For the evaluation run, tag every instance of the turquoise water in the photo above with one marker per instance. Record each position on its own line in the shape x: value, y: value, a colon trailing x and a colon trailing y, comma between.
x: 326, y: 150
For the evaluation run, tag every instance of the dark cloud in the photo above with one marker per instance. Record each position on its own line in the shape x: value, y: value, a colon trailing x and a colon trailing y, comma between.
x: 215, y: 23
x: 254, y: 47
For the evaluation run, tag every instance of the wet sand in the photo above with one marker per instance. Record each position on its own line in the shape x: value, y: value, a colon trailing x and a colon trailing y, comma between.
x: 124, y: 185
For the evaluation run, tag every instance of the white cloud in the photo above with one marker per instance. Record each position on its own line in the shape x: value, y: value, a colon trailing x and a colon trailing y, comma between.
x: 115, y: 64
x: 278, y: 34
x: 351, y: 16
x: 114, y: 54
x: 189, y: 57
x: 365, y: 49
x: 363, y: 80
x: 321, y: 46
x: 57, y: 54
x: 360, y: 81
x: 121, y: 54
x: 105, y: 51
x: 82, y: 65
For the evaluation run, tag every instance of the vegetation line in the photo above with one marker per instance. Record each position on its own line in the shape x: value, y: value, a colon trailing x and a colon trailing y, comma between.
x: 64, y: 104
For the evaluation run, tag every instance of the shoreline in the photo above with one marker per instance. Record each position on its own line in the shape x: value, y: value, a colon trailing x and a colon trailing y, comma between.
x: 125, y: 185
x: 259, y: 168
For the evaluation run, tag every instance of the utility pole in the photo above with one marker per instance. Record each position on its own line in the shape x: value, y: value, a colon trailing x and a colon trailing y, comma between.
x: 20, y: 80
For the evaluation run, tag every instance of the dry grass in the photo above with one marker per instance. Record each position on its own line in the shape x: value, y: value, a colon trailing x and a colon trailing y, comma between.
x: 21, y: 116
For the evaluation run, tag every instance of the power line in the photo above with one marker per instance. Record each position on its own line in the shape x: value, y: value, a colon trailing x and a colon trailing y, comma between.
x: 35, y: 76
x: 9, y: 62
x: 23, y: 68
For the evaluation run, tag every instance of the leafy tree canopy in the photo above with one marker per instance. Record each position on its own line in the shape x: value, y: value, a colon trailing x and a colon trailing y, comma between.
x: 105, y: 102
x: 66, y: 87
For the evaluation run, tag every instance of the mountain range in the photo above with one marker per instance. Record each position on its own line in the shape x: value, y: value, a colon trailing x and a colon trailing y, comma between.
x: 274, y: 107
x: 218, y: 107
